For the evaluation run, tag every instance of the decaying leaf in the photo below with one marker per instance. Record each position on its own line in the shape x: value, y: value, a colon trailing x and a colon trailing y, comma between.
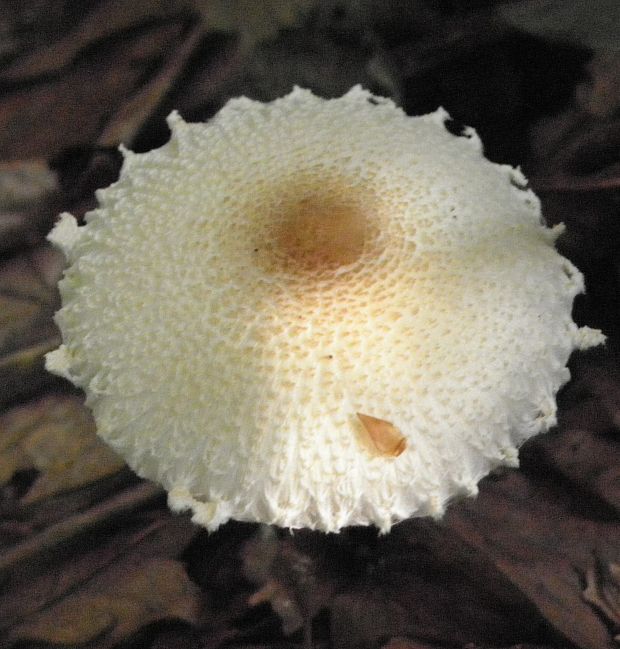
x: 288, y: 578
x: 603, y: 591
x: 56, y: 436
x: 24, y: 184
x: 103, y: 20
x: 588, y: 23
x: 116, y: 603
x: 585, y: 458
x: 131, y: 116
x: 51, y: 115
x: 129, y: 578
x: 422, y: 581
x: 542, y: 542
x: 255, y: 21
x: 28, y: 299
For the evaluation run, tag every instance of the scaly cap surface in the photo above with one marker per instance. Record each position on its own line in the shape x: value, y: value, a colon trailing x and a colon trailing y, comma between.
x: 316, y: 313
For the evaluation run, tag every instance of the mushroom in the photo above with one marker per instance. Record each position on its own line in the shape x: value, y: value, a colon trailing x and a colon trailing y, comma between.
x: 316, y: 313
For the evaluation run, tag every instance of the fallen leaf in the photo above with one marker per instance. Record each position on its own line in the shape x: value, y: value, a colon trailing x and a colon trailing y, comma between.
x: 48, y: 116
x: 382, y: 437
x: 55, y: 435
x: 588, y: 460
x: 422, y: 581
x: 25, y: 183
x: 603, y: 590
x: 28, y: 299
x: 289, y: 579
x: 27, y: 554
x: 534, y: 534
x: 254, y: 21
x: 130, y: 117
x: 114, y: 604
x: 90, y: 563
x: 591, y: 24
x: 104, y: 20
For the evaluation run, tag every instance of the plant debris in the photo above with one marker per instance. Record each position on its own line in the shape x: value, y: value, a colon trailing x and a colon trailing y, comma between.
x: 90, y: 556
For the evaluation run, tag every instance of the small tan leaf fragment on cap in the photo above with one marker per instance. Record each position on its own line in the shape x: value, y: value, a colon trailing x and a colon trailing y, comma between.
x: 384, y: 437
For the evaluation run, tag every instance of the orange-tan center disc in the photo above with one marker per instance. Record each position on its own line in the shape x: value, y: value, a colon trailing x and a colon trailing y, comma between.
x: 321, y: 233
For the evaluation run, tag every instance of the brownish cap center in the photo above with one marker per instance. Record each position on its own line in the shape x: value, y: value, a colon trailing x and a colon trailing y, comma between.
x: 320, y: 232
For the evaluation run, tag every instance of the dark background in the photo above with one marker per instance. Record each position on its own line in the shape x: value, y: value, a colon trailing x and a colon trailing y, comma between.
x: 89, y: 555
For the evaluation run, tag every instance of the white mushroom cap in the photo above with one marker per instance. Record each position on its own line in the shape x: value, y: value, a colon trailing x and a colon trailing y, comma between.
x: 316, y: 313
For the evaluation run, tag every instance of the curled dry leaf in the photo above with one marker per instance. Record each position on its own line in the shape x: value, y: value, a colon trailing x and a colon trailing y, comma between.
x: 589, y: 460
x: 104, y: 20
x: 254, y: 21
x: 115, y: 604
x: 539, y: 536
x: 28, y: 298
x: 382, y: 437
x: 288, y: 578
x: 48, y: 116
x: 72, y: 595
x: 56, y: 436
x: 25, y: 183
x: 603, y: 591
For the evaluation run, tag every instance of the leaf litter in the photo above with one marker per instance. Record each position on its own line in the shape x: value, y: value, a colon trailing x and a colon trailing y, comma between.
x: 90, y: 556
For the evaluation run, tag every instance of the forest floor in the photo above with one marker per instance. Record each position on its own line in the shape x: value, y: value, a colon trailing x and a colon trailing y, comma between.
x: 90, y: 556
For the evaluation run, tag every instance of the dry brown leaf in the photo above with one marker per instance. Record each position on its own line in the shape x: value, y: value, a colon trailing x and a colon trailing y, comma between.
x: 29, y: 553
x: 253, y: 20
x: 100, y: 590
x: 289, y: 579
x: 51, y: 115
x: 25, y: 183
x: 24, y: 595
x: 603, y: 590
x: 538, y: 537
x: 28, y: 299
x: 130, y: 117
x: 116, y: 603
x: 422, y: 581
x: 588, y: 460
x: 104, y: 20
x: 55, y: 435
